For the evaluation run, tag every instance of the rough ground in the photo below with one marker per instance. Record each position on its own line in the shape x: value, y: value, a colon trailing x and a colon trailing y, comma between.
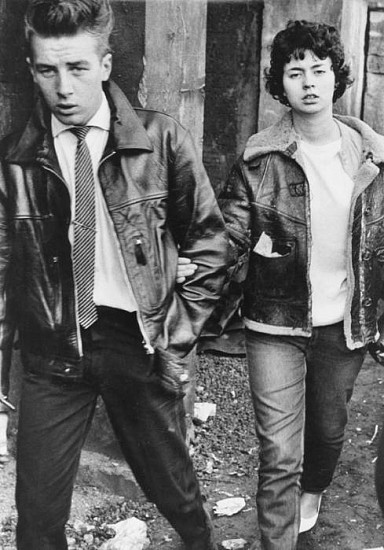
x: 225, y: 455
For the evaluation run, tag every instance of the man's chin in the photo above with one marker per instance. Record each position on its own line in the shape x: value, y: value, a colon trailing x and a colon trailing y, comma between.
x: 70, y: 119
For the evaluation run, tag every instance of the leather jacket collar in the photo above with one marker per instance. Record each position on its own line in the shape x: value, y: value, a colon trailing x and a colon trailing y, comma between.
x: 35, y: 143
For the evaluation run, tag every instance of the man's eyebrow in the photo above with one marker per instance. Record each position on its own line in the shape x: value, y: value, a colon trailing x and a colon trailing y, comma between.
x: 44, y: 66
x: 78, y: 62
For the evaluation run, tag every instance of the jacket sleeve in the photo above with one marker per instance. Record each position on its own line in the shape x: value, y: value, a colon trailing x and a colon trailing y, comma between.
x: 199, y: 232
x: 7, y: 327
x: 235, y: 204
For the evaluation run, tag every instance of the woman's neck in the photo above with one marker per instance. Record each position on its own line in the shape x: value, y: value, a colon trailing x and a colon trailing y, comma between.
x: 317, y: 130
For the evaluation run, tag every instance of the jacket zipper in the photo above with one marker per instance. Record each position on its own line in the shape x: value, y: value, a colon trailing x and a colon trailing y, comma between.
x: 137, y: 201
x: 146, y: 340
x: 78, y: 335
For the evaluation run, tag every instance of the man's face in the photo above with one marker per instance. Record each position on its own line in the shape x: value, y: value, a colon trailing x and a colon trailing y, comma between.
x: 69, y: 72
x: 309, y: 84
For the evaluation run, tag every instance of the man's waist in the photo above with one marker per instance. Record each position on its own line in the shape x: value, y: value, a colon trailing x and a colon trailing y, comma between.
x: 113, y: 328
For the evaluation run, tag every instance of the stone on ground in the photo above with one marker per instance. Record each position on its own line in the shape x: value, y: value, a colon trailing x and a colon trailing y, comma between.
x: 131, y: 534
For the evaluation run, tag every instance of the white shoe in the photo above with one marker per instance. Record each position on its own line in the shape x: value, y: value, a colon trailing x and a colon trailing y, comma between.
x: 306, y: 524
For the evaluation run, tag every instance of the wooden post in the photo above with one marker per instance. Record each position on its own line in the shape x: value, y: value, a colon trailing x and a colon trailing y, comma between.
x: 174, y: 67
x: 353, y: 28
x: 173, y: 81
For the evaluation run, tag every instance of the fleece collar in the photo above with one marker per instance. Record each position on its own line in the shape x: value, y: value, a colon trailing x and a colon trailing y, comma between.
x: 281, y: 137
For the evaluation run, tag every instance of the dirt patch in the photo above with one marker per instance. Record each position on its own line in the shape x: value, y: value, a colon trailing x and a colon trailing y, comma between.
x: 225, y: 456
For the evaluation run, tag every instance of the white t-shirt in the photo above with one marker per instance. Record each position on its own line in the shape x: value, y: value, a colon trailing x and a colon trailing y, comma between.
x: 330, y: 200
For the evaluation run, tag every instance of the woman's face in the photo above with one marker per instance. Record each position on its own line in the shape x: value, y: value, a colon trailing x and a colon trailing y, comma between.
x: 309, y: 84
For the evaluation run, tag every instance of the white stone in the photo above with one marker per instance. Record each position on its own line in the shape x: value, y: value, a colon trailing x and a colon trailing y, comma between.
x: 88, y: 538
x: 202, y: 411
x: 229, y: 506
x: 234, y: 544
x: 80, y: 527
x: 131, y: 534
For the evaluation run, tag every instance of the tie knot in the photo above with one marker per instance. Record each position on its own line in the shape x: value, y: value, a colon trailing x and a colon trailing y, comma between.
x: 80, y: 132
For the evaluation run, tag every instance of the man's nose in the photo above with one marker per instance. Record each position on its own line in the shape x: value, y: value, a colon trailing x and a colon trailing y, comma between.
x: 64, y: 85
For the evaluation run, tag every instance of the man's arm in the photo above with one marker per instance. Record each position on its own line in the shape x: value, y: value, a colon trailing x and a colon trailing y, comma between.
x: 198, y: 229
x: 235, y: 204
x: 234, y: 201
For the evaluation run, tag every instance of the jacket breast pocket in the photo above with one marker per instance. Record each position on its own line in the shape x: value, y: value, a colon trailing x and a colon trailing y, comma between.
x: 274, y: 275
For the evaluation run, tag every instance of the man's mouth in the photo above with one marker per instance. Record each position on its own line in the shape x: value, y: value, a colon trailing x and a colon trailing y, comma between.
x: 66, y: 107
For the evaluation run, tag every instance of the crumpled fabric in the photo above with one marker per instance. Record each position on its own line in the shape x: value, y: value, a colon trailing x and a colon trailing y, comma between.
x: 172, y: 371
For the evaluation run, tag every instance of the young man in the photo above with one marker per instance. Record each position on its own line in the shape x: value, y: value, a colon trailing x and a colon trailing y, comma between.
x: 304, y: 207
x: 96, y: 199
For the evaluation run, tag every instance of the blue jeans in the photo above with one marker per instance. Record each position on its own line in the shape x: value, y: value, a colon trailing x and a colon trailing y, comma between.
x: 149, y: 422
x: 297, y: 382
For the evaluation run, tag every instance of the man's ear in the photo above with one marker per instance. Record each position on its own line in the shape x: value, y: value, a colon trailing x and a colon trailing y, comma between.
x: 30, y: 67
x: 106, y: 64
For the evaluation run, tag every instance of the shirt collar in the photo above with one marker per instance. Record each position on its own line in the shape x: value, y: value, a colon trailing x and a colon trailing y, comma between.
x: 101, y: 119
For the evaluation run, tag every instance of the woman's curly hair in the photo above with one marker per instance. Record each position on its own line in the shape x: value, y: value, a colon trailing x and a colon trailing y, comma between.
x: 292, y: 42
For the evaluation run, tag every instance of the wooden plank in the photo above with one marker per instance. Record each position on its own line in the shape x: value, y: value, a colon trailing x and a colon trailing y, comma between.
x: 16, y: 89
x: 174, y: 69
x: 374, y: 102
x: 373, y: 108
x: 232, y: 83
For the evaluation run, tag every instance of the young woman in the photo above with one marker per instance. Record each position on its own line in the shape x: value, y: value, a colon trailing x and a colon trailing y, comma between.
x: 303, y: 206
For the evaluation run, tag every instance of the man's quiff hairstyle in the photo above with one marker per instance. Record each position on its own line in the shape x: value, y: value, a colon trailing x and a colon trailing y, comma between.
x: 54, y: 18
x: 292, y: 42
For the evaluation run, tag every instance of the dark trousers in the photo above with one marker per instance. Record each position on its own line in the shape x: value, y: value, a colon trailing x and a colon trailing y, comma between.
x: 149, y: 423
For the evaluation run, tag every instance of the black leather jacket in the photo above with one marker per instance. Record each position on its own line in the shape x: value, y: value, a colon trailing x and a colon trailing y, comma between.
x: 160, y: 201
x: 267, y: 192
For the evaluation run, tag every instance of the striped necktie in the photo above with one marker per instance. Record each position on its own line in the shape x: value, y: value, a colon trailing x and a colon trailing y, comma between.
x: 84, y: 230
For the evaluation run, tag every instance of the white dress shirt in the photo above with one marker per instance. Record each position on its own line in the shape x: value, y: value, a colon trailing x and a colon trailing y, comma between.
x: 112, y: 287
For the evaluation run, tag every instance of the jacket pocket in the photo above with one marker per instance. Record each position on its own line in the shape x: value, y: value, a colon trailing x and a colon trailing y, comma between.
x: 57, y: 291
x: 274, y: 276
x: 147, y: 274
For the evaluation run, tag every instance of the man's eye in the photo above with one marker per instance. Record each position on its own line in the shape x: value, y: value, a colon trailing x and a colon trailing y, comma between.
x: 78, y: 70
x: 47, y: 73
